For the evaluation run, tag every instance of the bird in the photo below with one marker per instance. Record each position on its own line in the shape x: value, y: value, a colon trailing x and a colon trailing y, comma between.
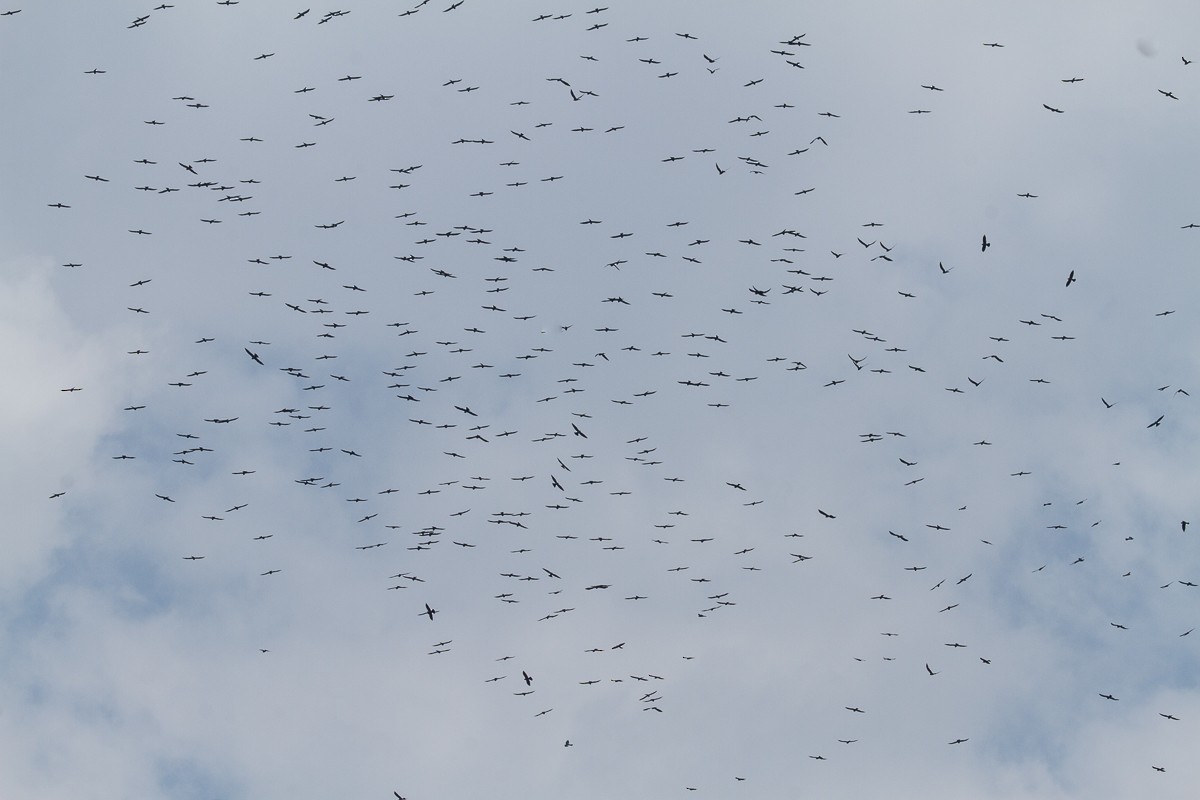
x: 986, y: 244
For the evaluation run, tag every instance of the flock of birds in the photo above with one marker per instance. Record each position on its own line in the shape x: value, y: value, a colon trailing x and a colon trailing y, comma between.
x: 524, y: 394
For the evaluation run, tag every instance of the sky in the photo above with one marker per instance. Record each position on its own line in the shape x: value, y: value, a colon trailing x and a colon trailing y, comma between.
x: 584, y: 401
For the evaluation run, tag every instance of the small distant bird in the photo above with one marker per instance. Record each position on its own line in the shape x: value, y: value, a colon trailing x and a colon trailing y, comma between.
x: 986, y: 244
x: 1071, y: 278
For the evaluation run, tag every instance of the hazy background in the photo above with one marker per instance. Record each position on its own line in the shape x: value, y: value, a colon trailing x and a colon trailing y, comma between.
x: 461, y: 276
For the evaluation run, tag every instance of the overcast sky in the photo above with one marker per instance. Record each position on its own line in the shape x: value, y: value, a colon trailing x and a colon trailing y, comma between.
x: 511, y: 400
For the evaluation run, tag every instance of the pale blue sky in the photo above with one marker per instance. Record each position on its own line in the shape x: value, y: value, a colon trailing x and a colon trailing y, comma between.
x: 641, y: 270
